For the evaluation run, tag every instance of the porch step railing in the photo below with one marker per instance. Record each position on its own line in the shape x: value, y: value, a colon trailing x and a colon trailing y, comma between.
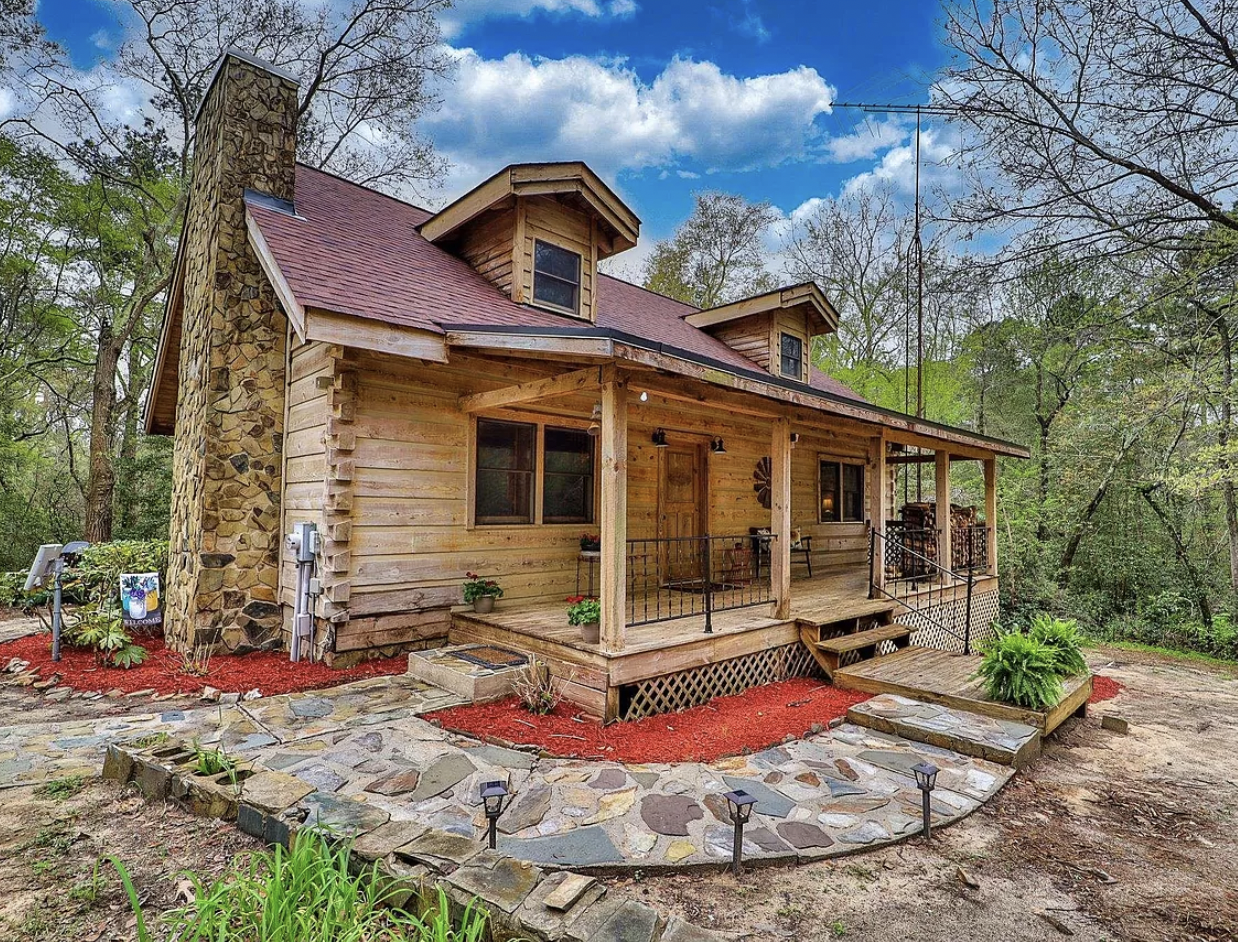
x: 679, y: 577
x: 934, y: 584
x: 969, y: 548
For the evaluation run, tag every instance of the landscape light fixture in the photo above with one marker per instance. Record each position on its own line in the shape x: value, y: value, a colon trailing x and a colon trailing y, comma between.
x: 717, y: 447
x: 739, y: 803
x: 659, y: 438
x: 493, y: 799
x: 926, y: 781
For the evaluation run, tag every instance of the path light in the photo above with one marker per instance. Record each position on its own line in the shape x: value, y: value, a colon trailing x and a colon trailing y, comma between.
x: 739, y: 803
x: 493, y: 795
x: 926, y: 781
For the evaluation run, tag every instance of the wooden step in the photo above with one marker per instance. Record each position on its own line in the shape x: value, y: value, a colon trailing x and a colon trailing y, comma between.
x: 899, y: 634
x: 829, y: 653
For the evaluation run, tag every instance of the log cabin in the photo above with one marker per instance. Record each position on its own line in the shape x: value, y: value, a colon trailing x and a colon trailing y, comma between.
x: 464, y: 391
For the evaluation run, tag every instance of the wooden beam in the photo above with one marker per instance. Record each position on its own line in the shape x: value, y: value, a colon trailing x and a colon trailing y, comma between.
x: 614, y: 517
x: 941, y: 494
x: 881, y: 505
x: 780, y: 518
x: 365, y: 333
x: 990, y: 510
x: 563, y: 385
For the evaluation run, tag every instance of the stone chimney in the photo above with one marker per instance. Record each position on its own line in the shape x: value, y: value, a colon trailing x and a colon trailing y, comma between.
x: 224, y: 549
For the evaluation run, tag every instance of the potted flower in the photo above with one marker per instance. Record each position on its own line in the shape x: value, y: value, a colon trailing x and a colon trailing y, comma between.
x: 590, y: 542
x: 481, y: 593
x: 587, y: 613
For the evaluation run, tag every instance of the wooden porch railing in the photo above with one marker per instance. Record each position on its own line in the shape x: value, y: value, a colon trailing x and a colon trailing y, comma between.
x: 679, y: 577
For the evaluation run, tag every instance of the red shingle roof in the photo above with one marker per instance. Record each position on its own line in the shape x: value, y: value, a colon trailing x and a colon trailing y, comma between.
x: 351, y: 250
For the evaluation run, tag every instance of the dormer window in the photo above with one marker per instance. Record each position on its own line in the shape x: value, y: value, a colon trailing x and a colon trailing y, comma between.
x: 556, y: 277
x: 791, y: 350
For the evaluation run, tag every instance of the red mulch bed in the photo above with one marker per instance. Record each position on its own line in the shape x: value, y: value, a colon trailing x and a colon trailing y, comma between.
x: 1104, y: 688
x: 270, y: 672
x: 726, y: 726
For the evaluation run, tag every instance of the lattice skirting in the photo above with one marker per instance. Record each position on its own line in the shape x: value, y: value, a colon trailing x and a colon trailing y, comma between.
x: 953, y: 614
x: 690, y: 688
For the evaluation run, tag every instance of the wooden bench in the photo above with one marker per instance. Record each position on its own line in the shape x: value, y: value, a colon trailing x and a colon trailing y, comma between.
x: 829, y: 653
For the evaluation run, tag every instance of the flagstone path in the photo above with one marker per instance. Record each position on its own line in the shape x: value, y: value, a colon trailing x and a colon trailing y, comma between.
x: 829, y: 794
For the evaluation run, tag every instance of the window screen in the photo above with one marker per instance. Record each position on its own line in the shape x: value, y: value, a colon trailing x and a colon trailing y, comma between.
x: 506, y: 455
x: 567, y: 490
x: 556, y: 276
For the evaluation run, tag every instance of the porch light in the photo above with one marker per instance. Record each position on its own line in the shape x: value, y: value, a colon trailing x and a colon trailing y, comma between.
x: 644, y: 395
x: 717, y: 447
x: 493, y: 799
x: 659, y: 438
x: 795, y: 439
x: 926, y: 781
x: 595, y: 421
x: 739, y: 804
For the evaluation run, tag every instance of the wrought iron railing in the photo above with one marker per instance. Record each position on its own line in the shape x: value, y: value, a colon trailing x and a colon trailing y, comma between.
x: 939, y: 585
x: 679, y: 577
x: 912, y: 552
x: 969, y: 548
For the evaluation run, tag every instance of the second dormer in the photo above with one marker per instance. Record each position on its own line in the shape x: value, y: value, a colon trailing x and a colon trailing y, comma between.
x: 537, y: 232
x: 773, y: 329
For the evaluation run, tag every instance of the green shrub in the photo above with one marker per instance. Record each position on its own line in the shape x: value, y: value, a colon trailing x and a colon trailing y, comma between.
x: 1063, y: 638
x: 307, y: 894
x: 1021, y: 670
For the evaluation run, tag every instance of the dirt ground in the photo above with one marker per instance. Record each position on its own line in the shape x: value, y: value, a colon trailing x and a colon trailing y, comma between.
x: 1112, y: 837
x: 50, y: 844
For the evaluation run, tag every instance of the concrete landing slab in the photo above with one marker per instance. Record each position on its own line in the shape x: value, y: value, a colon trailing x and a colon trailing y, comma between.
x: 1004, y: 742
x: 474, y: 672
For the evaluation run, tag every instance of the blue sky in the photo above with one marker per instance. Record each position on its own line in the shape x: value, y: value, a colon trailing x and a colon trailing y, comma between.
x: 663, y: 97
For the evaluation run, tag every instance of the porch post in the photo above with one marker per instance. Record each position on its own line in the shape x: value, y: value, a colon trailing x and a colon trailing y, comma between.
x: 880, y: 490
x: 990, y: 511
x: 614, y: 518
x: 780, y: 518
x: 941, y: 491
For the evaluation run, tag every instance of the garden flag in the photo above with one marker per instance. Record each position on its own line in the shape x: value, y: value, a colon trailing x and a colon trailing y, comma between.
x: 139, y: 600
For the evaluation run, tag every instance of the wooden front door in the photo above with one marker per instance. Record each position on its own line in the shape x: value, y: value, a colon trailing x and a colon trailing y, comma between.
x: 681, y: 511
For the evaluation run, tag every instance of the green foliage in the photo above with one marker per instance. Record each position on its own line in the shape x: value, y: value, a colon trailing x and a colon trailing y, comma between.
x: 584, y: 611
x: 61, y: 788
x: 307, y: 894
x: 11, y: 594
x: 1062, y: 637
x: 475, y: 587
x: 212, y: 761
x: 1021, y: 670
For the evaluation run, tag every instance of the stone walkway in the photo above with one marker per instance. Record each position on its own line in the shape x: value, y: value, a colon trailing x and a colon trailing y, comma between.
x: 826, y: 795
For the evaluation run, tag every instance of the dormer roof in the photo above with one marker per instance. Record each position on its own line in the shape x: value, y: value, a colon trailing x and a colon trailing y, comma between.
x: 571, y: 182
x: 806, y: 298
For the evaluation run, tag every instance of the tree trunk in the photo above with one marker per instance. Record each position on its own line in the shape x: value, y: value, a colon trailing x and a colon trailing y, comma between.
x: 1223, y: 434
x: 1180, y: 551
x: 101, y: 484
x: 1098, y: 497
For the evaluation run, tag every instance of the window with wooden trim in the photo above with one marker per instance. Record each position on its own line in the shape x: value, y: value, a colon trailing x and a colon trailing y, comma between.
x: 791, y: 356
x: 506, y: 463
x: 567, y: 484
x: 841, y: 491
x: 531, y: 473
x: 556, y: 277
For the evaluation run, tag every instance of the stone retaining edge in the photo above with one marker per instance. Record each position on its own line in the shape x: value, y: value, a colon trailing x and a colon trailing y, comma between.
x: 273, y: 806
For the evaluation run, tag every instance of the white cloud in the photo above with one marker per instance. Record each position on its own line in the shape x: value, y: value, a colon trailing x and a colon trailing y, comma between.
x: 8, y: 103
x: 102, y: 39
x: 498, y: 111
x: 898, y: 165
x: 867, y: 140
x: 466, y: 12
x: 751, y: 24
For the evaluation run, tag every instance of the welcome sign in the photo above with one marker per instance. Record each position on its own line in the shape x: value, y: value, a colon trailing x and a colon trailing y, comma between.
x: 140, y: 600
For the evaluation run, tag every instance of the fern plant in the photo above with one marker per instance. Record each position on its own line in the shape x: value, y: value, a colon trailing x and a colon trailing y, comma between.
x: 1062, y: 636
x: 1019, y: 669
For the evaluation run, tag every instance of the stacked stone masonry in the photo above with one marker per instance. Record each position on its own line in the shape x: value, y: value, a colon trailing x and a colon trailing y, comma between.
x: 223, y: 575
